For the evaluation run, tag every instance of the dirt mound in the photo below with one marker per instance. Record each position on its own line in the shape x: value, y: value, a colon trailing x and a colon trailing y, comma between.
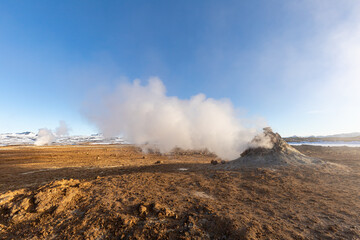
x: 276, y: 152
x: 99, y: 209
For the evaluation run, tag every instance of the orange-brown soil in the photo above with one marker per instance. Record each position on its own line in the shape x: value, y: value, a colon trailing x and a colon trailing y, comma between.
x: 119, y: 192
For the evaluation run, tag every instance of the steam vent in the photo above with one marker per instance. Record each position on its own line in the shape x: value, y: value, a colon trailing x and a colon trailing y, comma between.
x: 279, y: 154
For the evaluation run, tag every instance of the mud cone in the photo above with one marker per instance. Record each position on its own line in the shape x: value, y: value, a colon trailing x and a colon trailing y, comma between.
x: 277, y: 152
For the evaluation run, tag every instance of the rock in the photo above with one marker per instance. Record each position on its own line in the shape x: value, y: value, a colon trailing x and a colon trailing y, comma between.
x: 214, y: 162
x: 169, y: 213
x: 159, y: 162
x: 2, y: 227
x: 26, y: 204
x: 142, y: 210
x: 190, y: 222
x: 162, y: 211
x: 128, y: 221
x: 156, y: 207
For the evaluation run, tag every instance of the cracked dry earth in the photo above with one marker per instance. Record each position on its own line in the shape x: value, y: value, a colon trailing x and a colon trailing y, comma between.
x: 118, y: 192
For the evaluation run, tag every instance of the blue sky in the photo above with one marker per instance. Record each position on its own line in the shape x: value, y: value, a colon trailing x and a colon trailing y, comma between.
x: 293, y: 63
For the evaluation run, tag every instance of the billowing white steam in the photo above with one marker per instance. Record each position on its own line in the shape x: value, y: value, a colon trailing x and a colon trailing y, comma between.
x: 46, y: 136
x: 261, y: 140
x: 145, y: 115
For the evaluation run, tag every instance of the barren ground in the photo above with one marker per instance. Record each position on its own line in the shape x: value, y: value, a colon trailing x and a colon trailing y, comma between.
x: 118, y: 192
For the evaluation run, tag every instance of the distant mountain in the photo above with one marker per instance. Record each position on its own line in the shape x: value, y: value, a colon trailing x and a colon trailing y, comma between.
x: 353, y: 134
x: 343, y: 137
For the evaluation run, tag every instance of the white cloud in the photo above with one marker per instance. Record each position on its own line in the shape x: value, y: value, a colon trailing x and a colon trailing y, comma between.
x: 322, y: 66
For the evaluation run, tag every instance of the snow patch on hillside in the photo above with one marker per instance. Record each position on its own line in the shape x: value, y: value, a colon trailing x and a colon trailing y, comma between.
x: 29, y: 138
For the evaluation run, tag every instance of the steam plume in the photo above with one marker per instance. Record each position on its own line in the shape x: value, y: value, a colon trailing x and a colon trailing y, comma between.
x: 46, y: 136
x: 145, y: 115
x: 63, y: 129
